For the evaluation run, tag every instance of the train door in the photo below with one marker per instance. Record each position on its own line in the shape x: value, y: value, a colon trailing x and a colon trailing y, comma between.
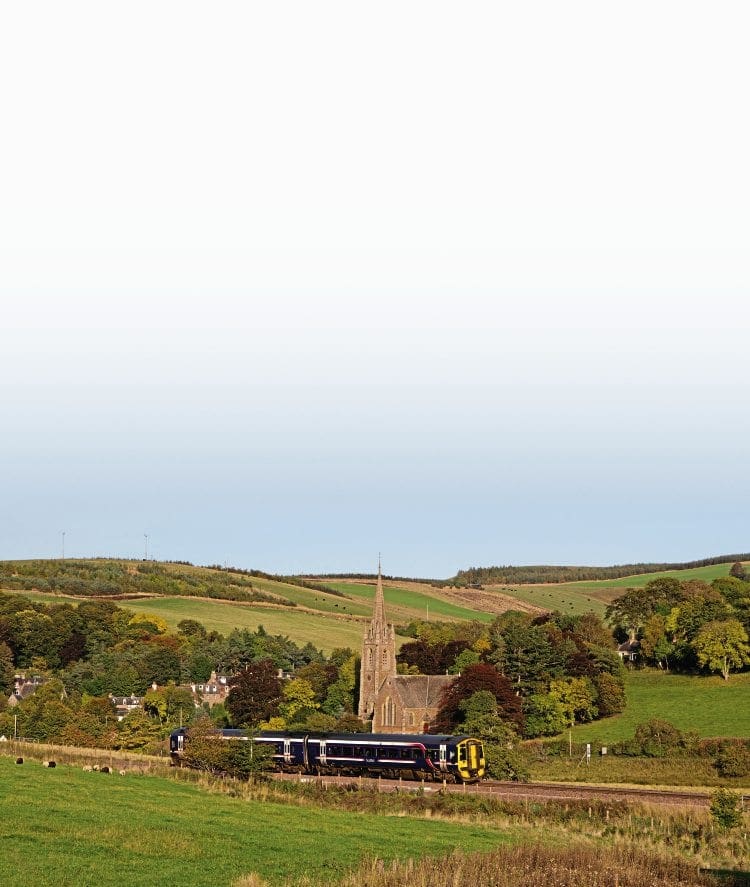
x: 322, y: 756
x: 287, y: 751
x: 443, y: 757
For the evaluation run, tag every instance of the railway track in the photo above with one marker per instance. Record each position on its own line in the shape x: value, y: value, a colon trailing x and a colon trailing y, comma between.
x: 537, y: 791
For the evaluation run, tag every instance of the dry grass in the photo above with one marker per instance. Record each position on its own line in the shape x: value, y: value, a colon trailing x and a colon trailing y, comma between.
x: 576, y: 866
x: 81, y: 757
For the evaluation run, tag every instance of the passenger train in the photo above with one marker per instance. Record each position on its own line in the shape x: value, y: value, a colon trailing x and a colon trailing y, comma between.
x: 425, y: 756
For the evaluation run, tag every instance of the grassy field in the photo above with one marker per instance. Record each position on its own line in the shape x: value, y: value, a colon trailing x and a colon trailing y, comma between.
x: 580, y: 597
x: 565, y: 598
x: 708, y: 705
x: 325, y: 632
x: 404, y: 604
x: 68, y: 827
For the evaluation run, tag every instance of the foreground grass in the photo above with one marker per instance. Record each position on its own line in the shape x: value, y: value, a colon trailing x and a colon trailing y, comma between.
x: 67, y: 827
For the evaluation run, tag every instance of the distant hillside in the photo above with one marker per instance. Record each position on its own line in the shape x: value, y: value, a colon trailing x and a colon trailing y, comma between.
x: 103, y: 577
x: 535, y: 575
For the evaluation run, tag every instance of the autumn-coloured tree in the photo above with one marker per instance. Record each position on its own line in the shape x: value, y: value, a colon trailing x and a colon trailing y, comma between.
x: 738, y: 571
x: 254, y: 694
x: 475, y: 678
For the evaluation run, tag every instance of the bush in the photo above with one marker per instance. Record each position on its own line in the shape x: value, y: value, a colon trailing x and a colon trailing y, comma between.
x: 725, y: 808
x: 733, y: 760
x: 505, y: 762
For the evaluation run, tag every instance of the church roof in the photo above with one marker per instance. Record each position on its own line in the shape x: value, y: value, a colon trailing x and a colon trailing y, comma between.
x: 421, y: 690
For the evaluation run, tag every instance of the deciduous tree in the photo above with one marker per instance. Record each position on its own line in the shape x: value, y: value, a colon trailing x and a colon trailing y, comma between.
x: 722, y: 646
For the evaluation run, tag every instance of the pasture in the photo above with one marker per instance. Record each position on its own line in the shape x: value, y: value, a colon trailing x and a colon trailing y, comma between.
x: 405, y: 604
x: 594, y: 595
x: 710, y: 706
x: 564, y: 598
x: 68, y: 827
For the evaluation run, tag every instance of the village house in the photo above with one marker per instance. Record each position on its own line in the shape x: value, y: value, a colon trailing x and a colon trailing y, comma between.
x: 125, y: 704
x: 23, y: 687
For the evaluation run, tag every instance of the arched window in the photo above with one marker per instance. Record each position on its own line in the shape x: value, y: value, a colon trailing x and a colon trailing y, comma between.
x: 389, y: 712
x: 370, y: 656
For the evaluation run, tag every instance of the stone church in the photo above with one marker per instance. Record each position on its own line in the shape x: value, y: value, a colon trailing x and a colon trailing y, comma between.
x: 395, y: 703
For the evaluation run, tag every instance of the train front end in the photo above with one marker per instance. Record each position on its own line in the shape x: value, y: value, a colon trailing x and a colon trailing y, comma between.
x: 470, y: 762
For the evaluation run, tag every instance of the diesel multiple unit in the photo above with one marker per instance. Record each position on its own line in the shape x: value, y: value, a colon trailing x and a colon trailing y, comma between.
x: 426, y: 756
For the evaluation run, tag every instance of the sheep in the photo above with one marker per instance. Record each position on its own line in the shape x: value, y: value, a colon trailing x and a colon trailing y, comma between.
x: 49, y: 764
x: 19, y: 760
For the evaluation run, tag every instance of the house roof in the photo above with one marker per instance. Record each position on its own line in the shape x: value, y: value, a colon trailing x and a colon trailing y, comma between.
x: 629, y: 647
x: 421, y: 690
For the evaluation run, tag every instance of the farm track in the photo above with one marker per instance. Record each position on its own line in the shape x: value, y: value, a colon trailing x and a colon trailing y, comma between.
x: 532, y: 791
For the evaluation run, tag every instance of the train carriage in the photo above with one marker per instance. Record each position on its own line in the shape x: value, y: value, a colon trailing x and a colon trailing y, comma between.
x: 425, y: 756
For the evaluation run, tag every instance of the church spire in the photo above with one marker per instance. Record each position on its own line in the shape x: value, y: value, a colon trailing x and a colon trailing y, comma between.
x: 379, y: 613
x: 378, y: 654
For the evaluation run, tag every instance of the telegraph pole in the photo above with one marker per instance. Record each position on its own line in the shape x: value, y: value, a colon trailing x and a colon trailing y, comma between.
x: 145, y: 536
x: 63, y: 544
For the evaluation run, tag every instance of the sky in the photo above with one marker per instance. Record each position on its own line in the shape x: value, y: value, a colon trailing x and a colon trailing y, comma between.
x: 286, y: 286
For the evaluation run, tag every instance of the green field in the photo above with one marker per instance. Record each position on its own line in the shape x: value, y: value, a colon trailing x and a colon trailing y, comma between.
x: 565, y: 598
x: 404, y: 604
x: 324, y: 632
x: 706, y: 574
x: 68, y: 828
x: 708, y: 705
x: 595, y: 595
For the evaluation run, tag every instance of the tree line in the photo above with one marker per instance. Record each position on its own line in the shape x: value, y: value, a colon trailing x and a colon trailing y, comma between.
x: 530, y: 575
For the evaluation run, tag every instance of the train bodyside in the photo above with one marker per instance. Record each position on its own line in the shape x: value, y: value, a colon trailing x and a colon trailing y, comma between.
x: 424, y: 756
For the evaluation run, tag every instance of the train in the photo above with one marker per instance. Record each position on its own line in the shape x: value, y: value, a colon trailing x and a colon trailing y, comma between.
x: 433, y: 757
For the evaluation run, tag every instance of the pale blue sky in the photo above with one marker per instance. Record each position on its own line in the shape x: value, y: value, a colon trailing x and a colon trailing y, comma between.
x: 303, y: 284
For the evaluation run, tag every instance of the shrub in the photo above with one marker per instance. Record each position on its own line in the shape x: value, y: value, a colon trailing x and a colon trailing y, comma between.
x: 725, y: 808
x: 733, y: 760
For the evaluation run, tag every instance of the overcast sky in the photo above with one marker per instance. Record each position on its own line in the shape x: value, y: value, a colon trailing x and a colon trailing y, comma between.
x: 285, y: 285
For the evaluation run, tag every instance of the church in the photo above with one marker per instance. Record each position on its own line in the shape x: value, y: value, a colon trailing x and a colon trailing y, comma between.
x: 394, y: 703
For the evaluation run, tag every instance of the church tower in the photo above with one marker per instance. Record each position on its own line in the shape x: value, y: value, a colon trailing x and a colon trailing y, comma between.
x: 378, y: 655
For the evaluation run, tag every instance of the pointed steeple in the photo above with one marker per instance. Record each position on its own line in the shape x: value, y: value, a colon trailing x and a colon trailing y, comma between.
x: 378, y: 653
x: 379, y: 612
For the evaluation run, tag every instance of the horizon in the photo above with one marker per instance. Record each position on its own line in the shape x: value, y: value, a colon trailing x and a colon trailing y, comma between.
x: 363, y: 574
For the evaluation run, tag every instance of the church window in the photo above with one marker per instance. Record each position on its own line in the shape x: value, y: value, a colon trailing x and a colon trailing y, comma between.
x: 389, y: 712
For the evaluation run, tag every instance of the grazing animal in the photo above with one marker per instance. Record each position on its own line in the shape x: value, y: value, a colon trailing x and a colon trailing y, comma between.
x: 49, y: 764
x: 123, y: 772
x: 104, y: 770
x: 19, y: 760
x: 88, y: 768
